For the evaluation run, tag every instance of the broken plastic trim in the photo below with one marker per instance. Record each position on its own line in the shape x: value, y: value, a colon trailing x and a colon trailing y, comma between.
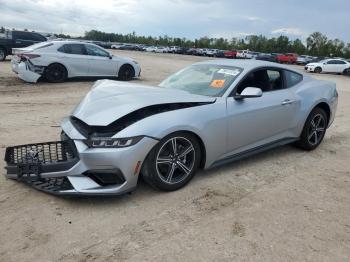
x: 129, y: 119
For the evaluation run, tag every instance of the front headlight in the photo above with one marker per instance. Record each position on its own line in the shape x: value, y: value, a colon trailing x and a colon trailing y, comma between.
x: 109, y: 142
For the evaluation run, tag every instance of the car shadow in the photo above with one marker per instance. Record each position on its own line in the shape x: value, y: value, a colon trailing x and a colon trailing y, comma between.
x: 143, y: 190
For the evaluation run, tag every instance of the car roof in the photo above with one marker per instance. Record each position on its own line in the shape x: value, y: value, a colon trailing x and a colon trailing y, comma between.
x: 71, y: 42
x: 245, y: 64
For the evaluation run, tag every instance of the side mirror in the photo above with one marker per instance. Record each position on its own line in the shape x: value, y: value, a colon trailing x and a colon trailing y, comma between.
x: 249, y: 92
x: 110, y: 56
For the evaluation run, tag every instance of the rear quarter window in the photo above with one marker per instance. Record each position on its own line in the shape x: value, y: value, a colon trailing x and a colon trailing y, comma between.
x: 292, y: 78
x: 74, y: 49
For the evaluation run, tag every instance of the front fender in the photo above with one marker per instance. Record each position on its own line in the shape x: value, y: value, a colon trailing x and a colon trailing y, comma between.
x: 207, y: 121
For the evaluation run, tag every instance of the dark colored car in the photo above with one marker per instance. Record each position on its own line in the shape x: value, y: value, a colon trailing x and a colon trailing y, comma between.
x: 220, y: 53
x: 266, y: 57
x: 182, y: 50
x: 131, y: 47
x: 103, y: 44
x: 18, y: 39
x: 191, y: 51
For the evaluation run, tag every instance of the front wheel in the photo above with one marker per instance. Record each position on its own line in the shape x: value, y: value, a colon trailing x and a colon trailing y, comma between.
x: 318, y: 70
x: 173, y: 162
x: 314, y: 129
x: 126, y: 73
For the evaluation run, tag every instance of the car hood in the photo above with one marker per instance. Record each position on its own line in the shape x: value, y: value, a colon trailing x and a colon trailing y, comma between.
x: 110, y: 100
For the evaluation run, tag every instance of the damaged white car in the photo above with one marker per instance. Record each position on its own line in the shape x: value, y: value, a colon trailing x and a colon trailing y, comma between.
x: 57, y: 61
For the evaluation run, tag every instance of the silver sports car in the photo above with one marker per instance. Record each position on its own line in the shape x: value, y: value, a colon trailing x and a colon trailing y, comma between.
x: 205, y: 115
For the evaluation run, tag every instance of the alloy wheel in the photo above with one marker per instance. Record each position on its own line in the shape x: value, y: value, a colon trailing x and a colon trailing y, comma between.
x: 316, y: 129
x: 175, y: 160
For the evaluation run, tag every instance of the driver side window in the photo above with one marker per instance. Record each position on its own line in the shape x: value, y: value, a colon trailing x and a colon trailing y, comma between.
x: 265, y: 79
x: 95, y: 51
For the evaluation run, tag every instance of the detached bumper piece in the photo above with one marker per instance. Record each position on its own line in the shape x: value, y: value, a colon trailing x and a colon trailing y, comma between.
x: 26, y: 163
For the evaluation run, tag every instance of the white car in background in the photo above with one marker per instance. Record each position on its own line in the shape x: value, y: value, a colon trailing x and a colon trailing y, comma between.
x: 174, y: 49
x: 150, y: 49
x: 58, y: 60
x: 339, y: 66
x: 157, y: 49
x: 246, y: 54
x: 304, y: 59
x: 161, y: 49
x: 116, y: 46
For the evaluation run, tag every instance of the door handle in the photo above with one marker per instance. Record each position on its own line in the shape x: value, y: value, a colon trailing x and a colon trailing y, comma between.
x: 287, y: 102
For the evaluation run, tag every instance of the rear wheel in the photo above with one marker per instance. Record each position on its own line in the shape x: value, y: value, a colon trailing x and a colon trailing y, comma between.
x: 173, y: 162
x: 56, y: 73
x: 314, y: 129
x: 2, y: 54
x: 126, y: 72
x: 318, y: 70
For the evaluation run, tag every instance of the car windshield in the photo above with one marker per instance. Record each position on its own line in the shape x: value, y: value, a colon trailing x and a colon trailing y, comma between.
x: 203, y: 79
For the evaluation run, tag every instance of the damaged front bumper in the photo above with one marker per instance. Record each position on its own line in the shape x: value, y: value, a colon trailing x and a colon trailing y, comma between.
x: 27, y: 71
x: 70, y: 167
x: 27, y: 163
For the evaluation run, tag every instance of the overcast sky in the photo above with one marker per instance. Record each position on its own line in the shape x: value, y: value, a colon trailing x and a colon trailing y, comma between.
x: 182, y: 18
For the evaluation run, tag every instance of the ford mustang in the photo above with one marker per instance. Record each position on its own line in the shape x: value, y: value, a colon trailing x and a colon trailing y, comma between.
x: 205, y: 115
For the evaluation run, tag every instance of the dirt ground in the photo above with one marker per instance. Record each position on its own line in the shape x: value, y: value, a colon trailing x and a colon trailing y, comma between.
x: 282, y: 205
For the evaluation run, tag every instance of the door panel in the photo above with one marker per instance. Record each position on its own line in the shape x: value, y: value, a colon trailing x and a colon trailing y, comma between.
x: 330, y: 67
x: 102, y: 66
x: 101, y: 63
x: 74, y: 57
x: 78, y: 64
x: 267, y: 118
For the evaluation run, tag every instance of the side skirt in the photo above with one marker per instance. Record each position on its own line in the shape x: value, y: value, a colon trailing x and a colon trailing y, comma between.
x: 253, y: 151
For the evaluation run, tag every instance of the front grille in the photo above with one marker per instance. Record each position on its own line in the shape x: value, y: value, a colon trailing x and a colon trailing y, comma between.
x: 43, y: 153
x: 52, y: 185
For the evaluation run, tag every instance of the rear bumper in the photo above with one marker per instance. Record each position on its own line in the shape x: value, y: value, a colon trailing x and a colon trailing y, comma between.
x: 24, y: 71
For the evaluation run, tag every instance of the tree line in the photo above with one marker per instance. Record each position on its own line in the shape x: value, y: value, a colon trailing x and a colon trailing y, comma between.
x: 317, y: 44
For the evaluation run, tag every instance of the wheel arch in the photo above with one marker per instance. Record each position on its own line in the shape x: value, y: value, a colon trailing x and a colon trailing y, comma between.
x: 58, y: 63
x: 325, y: 107
x: 199, y: 139
x: 125, y: 65
x: 201, y: 145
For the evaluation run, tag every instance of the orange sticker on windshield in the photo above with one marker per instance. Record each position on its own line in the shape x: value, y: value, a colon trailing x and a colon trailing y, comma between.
x: 218, y: 83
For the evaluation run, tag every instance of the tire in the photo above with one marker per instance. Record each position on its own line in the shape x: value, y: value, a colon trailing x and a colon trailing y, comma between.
x: 167, y: 171
x: 318, y: 70
x: 314, y: 129
x: 126, y: 73
x: 2, y: 54
x: 56, y: 73
x: 346, y: 72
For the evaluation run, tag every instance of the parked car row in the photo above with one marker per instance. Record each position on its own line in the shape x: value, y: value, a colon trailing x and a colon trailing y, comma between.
x: 61, y: 59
